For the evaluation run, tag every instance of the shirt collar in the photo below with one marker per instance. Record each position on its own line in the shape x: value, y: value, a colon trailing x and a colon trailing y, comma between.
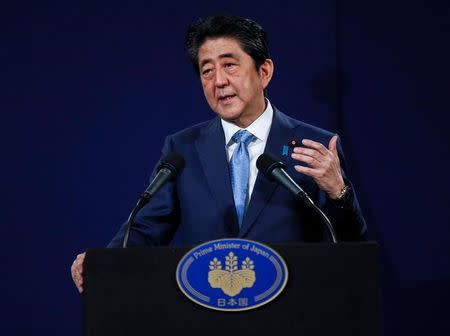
x: 260, y: 128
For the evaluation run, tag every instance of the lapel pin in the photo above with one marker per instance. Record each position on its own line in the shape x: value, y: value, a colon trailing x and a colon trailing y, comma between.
x: 292, y: 143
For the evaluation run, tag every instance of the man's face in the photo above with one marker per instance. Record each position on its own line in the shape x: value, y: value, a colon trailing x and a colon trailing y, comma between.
x: 232, y: 86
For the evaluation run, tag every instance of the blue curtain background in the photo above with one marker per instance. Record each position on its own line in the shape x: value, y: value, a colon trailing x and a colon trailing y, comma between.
x: 88, y: 93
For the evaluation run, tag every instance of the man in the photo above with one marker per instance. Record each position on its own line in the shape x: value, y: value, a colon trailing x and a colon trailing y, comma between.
x: 220, y: 193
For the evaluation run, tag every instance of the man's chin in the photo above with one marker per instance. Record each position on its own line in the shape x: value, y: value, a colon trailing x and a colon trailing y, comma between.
x: 232, y: 118
x: 236, y: 120
x: 228, y: 114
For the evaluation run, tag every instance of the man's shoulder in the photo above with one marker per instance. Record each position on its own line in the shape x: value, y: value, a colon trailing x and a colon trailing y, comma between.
x: 302, y: 128
x: 194, y: 131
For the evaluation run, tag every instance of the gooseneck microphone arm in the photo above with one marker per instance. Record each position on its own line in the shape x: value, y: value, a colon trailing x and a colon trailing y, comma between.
x: 171, y: 166
x: 319, y: 211
x: 274, y: 170
x: 143, y: 200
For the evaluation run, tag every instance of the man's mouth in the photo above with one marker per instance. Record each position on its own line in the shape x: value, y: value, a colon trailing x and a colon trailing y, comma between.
x: 225, y: 98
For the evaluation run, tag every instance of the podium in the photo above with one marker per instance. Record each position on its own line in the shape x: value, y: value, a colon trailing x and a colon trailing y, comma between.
x: 332, y: 289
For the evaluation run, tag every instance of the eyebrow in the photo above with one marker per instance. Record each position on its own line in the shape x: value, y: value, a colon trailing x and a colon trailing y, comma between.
x: 226, y: 55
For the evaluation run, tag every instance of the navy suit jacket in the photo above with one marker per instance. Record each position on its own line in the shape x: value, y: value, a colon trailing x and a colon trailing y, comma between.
x: 199, y: 205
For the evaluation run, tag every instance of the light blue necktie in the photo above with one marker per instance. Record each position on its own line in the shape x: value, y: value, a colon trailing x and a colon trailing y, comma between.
x: 240, y: 170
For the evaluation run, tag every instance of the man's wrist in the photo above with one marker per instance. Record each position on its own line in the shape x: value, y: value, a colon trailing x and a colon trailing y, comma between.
x: 338, y: 191
x: 345, y: 197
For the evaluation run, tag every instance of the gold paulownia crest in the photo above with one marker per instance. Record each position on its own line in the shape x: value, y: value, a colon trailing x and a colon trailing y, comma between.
x: 231, y: 280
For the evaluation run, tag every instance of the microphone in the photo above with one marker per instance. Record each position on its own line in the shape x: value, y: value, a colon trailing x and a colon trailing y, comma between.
x: 169, y: 168
x: 272, y: 168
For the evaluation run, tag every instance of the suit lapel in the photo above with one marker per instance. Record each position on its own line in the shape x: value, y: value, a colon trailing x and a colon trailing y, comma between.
x: 280, y: 134
x: 211, y: 151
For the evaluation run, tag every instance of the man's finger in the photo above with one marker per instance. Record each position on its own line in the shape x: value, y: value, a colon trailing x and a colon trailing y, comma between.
x: 81, y: 256
x: 79, y: 279
x: 311, y: 161
x: 332, y: 146
x: 306, y: 170
x: 307, y: 151
x: 77, y: 271
x: 316, y: 145
x: 79, y: 267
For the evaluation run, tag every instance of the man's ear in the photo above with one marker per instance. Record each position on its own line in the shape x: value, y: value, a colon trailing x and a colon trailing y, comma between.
x: 266, y: 72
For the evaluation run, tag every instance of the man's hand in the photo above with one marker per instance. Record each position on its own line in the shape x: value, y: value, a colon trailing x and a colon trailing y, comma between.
x: 77, y: 271
x: 323, y: 165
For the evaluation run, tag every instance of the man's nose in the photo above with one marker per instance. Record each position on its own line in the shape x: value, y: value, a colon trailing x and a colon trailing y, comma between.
x: 221, y: 78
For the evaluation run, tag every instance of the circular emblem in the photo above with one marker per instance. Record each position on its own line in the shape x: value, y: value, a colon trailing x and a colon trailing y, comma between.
x: 232, y: 274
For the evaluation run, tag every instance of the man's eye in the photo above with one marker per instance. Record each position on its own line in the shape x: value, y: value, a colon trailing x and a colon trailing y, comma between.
x: 206, y: 72
x: 229, y: 65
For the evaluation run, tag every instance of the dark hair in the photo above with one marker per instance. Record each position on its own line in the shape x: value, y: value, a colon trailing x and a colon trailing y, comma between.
x: 251, y: 36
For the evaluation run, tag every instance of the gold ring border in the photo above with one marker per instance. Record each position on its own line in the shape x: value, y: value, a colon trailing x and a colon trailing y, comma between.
x: 240, y: 309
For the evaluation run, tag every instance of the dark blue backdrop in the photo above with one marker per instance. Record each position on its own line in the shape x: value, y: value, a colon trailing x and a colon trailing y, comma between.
x: 90, y: 91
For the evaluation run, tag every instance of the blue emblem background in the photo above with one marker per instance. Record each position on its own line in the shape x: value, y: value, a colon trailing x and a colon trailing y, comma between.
x: 270, y: 269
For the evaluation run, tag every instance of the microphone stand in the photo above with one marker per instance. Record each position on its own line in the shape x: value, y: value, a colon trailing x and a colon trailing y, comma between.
x: 305, y: 197
x: 143, y: 200
x: 282, y: 177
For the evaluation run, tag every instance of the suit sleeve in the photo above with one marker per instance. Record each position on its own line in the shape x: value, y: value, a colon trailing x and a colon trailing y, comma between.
x: 156, y: 223
x: 348, y: 222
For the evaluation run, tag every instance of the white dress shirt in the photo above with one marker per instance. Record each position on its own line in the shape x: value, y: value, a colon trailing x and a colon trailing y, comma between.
x: 260, y: 128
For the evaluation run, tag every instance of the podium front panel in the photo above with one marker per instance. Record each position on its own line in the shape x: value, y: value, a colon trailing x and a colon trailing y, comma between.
x: 333, y: 289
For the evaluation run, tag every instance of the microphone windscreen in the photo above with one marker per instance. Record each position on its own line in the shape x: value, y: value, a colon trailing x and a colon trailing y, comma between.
x: 267, y: 162
x: 174, y: 162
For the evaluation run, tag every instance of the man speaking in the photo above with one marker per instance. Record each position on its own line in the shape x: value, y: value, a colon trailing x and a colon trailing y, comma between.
x: 220, y: 194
